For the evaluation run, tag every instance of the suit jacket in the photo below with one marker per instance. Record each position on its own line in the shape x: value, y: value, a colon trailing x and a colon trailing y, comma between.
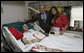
x: 38, y: 17
x: 44, y: 25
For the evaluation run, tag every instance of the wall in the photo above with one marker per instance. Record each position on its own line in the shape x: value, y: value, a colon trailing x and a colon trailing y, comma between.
x: 56, y: 3
x: 12, y: 12
x: 76, y: 14
x: 76, y: 8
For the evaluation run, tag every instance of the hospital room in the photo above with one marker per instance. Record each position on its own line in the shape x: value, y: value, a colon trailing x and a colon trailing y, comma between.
x: 41, y: 26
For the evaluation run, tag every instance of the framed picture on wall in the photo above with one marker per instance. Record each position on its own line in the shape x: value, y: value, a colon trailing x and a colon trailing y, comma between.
x: 78, y: 25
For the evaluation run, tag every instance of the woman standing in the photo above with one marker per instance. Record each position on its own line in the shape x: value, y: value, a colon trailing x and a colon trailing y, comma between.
x: 59, y: 21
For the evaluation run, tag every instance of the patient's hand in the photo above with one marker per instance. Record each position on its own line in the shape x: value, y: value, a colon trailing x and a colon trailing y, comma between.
x: 25, y: 41
x: 36, y: 40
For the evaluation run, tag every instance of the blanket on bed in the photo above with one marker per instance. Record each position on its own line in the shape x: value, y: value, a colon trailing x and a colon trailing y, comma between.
x: 63, y: 43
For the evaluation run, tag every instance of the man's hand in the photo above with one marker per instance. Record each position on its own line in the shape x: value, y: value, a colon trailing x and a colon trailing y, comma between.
x: 61, y: 32
x: 51, y: 30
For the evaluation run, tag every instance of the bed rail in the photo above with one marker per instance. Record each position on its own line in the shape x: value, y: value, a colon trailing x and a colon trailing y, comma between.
x: 11, y: 40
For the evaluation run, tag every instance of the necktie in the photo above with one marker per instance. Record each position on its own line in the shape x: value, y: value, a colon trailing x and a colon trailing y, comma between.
x: 44, y: 18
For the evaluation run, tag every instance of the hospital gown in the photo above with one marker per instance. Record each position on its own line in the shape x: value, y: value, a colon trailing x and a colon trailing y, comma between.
x: 29, y: 35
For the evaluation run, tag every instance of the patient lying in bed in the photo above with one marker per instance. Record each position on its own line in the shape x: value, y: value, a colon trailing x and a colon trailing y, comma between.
x: 28, y: 36
x: 53, y: 43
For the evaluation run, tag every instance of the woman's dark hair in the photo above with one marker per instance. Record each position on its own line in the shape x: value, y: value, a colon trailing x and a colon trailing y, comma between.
x: 57, y: 13
x: 53, y: 7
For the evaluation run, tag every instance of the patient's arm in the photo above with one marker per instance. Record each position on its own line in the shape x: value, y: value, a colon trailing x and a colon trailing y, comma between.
x: 25, y: 41
x: 36, y: 40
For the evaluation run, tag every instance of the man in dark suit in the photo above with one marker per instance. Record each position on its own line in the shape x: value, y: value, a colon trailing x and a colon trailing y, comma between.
x: 43, y: 19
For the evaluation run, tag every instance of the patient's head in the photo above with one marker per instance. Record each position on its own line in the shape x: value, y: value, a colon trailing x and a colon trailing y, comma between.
x: 25, y: 27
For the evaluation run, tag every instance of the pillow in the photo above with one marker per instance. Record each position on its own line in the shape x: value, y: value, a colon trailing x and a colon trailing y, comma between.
x: 17, y: 34
x: 16, y: 25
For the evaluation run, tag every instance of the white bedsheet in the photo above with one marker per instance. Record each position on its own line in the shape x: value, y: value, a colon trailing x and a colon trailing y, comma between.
x: 63, y: 42
x: 60, y: 42
x: 21, y: 43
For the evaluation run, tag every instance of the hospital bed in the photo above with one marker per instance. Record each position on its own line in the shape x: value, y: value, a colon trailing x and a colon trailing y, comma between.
x: 14, y: 44
x: 17, y: 45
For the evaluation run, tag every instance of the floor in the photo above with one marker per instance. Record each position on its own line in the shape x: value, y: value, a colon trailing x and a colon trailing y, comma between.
x: 3, y: 49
